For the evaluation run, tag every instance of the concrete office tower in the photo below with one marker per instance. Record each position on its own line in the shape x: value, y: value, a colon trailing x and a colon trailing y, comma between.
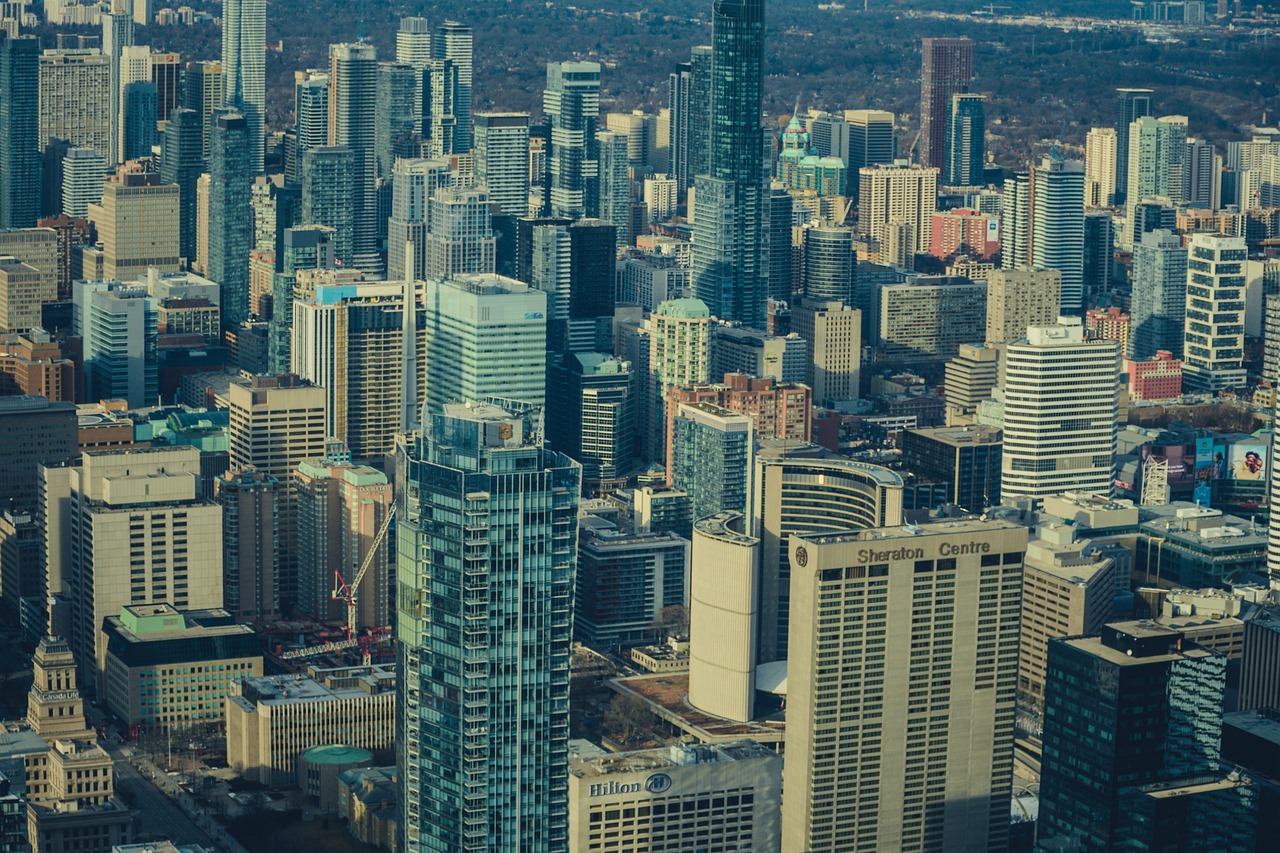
x: 181, y: 163
x: 501, y: 160
x: 72, y: 106
x: 462, y: 774
x: 1100, y: 167
x: 1159, y: 302
x: 37, y: 247
x: 1202, y: 176
x: 348, y: 339
x: 310, y: 119
x: 571, y: 103
x: 277, y: 422
x: 1157, y: 153
x: 832, y: 332
x: 953, y: 667
x: 712, y: 456
x: 328, y: 185
x: 724, y: 604
x: 353, y: 94
x: 1057, y: 233
x: 1060, y: 412
x: 414, y: 182
x: 202, y: 88
x: 970, y: 376
x: 413, y: 48
x: 591, y: 416
x: 23, y: 289
x: 946, y: 70
x: 83, y: 176
x: 801, y: 491
x: 1131, y: 710
x: 1213, y: 342
x: 138, y: 123
x: 1068, y: 589
x: 244, y: 58
x: 230, y: 215
x: 648, y: 280
x: 966, y: 141
x: 1017, y: 299
x: 486, y: 337
x: 137, y: 224
x: 117, y: 34
x: 340, y: 509
x: 1015, y: 221
x: 679, y: 334
x: 250, y: 503
x: 829, y: 264
x: 730, y: 227
x: 1131, y: 105
x: 963, y: 459
x: 201, y: 262
x: 459, y: 238
x: 453, y: 42
x: 614, y: 204
x: 898, y: 194
x: 118, y: 323
x: 19, y: 132
x: 871, y: 142
x: 661, y: 198
x: 397, y: 124
x: 175, y: 558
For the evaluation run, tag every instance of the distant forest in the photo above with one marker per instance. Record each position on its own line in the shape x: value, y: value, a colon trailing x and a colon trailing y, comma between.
x: 1042, y: 81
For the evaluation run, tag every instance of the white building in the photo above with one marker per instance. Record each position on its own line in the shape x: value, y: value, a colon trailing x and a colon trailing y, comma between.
x: 1100, y: 167
x: 900, y: 194
x: 1213, y: 339
x: 502, y: 160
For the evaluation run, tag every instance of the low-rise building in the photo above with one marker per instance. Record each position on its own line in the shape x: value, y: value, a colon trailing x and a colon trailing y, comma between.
x: 703, y: 797
x: 1156, y: 378
x: 159, y: 665
x: 671, y: 656
x: 1191, y: 546
x: 273, y: 719
x: 369, y: 801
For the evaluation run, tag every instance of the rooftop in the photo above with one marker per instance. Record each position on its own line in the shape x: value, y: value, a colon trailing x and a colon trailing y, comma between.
x: 677, y: 755
x: 337, y: 754
x: 319, y: 685
x: 910, y: 531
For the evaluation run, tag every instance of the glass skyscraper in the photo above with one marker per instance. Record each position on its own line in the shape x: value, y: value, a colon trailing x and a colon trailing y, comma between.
x: 230, y: 214
x: 182, y: 163
x: 966, y: 143
x: 730, y: 221
x: 19, y: 132
x: 244, y: 40
x: 487, y: 545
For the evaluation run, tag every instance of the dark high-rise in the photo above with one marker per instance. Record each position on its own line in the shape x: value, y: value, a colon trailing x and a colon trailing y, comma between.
x: 730, y: 222
x: 182, y: 163
x: 1131, y: 105
x: 688, y: 96
x: 230, y: 215
x: 946, y: 69
x: 19, y: 132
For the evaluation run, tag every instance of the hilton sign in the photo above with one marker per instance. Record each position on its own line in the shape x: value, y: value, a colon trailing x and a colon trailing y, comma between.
x: 657, y: 783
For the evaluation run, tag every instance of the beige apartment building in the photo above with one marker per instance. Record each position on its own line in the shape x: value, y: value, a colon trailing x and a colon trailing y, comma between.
x: 1017, y: 299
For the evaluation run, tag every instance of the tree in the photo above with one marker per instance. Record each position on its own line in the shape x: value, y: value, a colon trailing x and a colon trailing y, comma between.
x: 626, y: 717
x: 672, y: 621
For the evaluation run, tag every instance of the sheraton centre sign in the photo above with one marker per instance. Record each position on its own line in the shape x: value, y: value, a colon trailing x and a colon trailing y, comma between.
x: 945, y: 549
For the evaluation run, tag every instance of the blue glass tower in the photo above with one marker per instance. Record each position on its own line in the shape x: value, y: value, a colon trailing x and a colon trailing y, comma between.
x: 731, y: 202
x: 966, y: 141
x: 182, y: 163
x: 230, y: 213
x: 19, y: 132
x: 487, y: 545
x: 139, y: 103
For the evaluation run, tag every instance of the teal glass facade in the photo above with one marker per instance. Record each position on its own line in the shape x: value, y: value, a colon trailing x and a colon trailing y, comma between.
x: 230, y: 214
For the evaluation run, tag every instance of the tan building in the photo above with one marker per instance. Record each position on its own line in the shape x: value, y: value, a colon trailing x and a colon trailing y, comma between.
x: 1100, y: 167
x: 277, y: 422
x: 274, y: 719
x: 23, y: 289
x: 157, y: 665
x: 32, y: 364
x: 901, y: 683
x: 899, y: 194
x: 129, y: 529
x: 970, y: 376
x: 703, y: 797
x: 1066, y: 592
x: 201, y: 262
x: 37, y: 247
x: 137, y: 224
x: 1017, y: 299
x: 250, y: 543
x: 190, y: 317
x: 832, y: 333
x: 72, y: 106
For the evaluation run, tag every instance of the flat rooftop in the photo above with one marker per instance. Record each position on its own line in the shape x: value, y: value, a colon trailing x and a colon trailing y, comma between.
x: 913, y: 531
x: 667, y: 695
x: 669, y: 756
x: 1095, y: 647
x: 319, y: 685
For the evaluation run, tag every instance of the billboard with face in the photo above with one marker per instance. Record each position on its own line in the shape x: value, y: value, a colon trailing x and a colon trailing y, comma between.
x: 1247, y: 461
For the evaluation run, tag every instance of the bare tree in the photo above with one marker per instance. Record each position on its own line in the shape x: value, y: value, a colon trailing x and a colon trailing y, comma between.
x: 672, y: 621
x: 627, y: 717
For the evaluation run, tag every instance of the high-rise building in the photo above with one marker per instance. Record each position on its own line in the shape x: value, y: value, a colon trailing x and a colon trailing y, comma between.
x: 277, y: 422
x: 452, y: 42
x: 1202, y: 176
x: 37, y: 247
x: 1157, y: 154
x: 328, y: 183
x: 829, y: 263
x: 948, y: 702
x: 871, y: 143
x: 614, y: 186
x: 927, y: 318
x: 730, y: 226
x: 1015, y: 221
x: 117, y: 34
x: 459, y: 237
x: 244, y: 65
x: 353, y: 95
x: 591, y: 415
x: 250, y: 543
x: 19, y: 131
x: 1100, y: 167
x: 340, y: 510
x: 966, y: 141
x: 571, y: 103
x: 832, y: 332
x: 414, y: 182
x: 1213, y: 340
x: 310, y: 119
x: 303, y: 248
x: 1131, y: 105
x: 181, y: 163
x: 501, y: 158
x: 138, y: 104
x: 463, y: 773
x: 137, y: 224
x: 970, y: 376
x: 202, y: 87
x: 1159, y: 301
x: 72, y: 105
x: 689, y: 98
x: 440, y: 98
x: 485, y: 338
x: 898, y: 194
x: 413, y: 48
x: 1017, y: 299
x: 679, y: 337
x: 23, y: 289
x: 397, y: 124
x: 166, y: 73
x: 966, y: 459
x: 230, y: 215
x: 119, y: 324
x: 712, y: 457
x: 1057, y: 226
x: 1060, y: 412
x: 946, y: 69
x: 779, y: 257
x: 1099, y: 254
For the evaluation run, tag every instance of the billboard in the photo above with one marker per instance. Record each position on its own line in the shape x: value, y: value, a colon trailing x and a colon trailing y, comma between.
x: 1246, y: 461
x: 1211, y: 464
